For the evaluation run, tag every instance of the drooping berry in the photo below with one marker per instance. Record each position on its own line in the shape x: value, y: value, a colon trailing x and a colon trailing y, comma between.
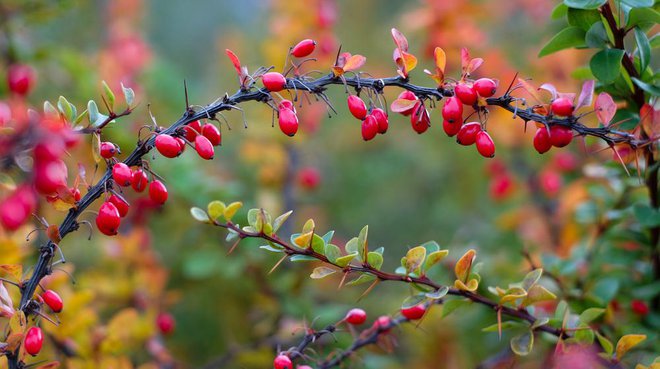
x: 108, y: 220
x: 108, y: 150
x: 356, y: 316
x: 20, y: 79
x: 639, y: 307
x: 420, y: 119
x: 303, y: 48
x: 273, y: 81
x: 192, y: 130
x: 122, y: 174
x: 212, y: 132
x: 309, y: 178
x: 168, y: 146
x: 53, y: 300
x: 140, y: 180
x: 369, y: 128
x: 286, y: 104
x: 165, y: 323
x: 485, y: 144
x: 204, y: 147
x: 121, y: 205
x: 381, y: 119
x: 414, y: 312
x: 408, y: 95
x: 452, y: 111
x: 182, y: 143
x: 357, y: 107
x: 562, y: 106
x: 282, y: 362
x: 465, y: 93
x: 485, y: 87
x: 288, y: 122
x: 467, y: 135
x: 542, y: 141
x: 158, y: 192
x: 451, y: 129
x: 382, y: 323
x: 560, y: 136
x: 34, y: 339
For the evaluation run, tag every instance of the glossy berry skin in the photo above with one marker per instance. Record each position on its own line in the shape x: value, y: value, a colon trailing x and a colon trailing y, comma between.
x: 381, y: 119
x: 465, y: 94
x: 420, y: 119
x: 485, y: 144
x: 639, y: 307
x: 288, y: 122
x: 369, y: 128
x: 467, y: 135
x: 273, y: 81
x: 485, y: 87
x: 158, y: 192
x: 122, y: 174
x: 451, y: 129
x: 34, y: 339
x: 165, y: 323
x: 108, y: 150
x: 121, y: 205
x: 562, y: 107
x: 452, y: 111
x: 356, y: 316
x: 542, y: 141
x: 303, y: 48
x: 560, y: 136
x: 20, y: 79
x: 168, y: 146
x: 204, y: 147
x: 108, y: 219
x: 414, y: 312
x: 357, y: 107
x: 53, y: 300
x: 140, y: 180
x: 182, y: 143
x: 192, y: 130
x: 213, y: 134
x: 282, y: 362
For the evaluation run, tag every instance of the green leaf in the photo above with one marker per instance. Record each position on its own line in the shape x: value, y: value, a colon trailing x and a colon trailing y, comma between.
x: 109, y: 95
x: 449, y: 306
x: 66, y: 108
x: 93, y: 112
x: 434, y: 258
x: 531, y: 278
x: 522, y: 344
x: 280, y: 220
x: 606, y: 65
x: 583, y: 18
x: 537, y: 293
x: 252, y: 216
x: 540, y: 322
x: 559, y: 11
x: 606, y: 344
x: 297, y: 258
x: 215, y: 209
x: 567, y: 38
x: 415, y: 257
x: 321, y: 272
x: 332, y: 252
x: 345, y: 260
x: 363, y: 244
x: 584, y: 4
x: 411, y: 301
x: 308, y: 226
x: 328, y: 236
x: 438, y: 294
x: 643, y: 49
x: 272, y: 248
x: 364, y: 278
x: 50, y: 110
x: 654, y: 90
x: 318, y: 244
x: 590, y: 315
x: 375, y: 260
x: 560, y: 311
x: 129, y: 95
x: 352, y: 246
x: 199, y: 215
x: 585, y: 335
x: 596, y: 37
x: 640, y: 16
x: 605, y: 289
x: 637, y: 3
x: 431, y: 246
x: 646, y: 215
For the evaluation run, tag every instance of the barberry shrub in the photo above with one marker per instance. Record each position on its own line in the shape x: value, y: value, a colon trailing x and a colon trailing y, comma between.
x: 578, y: 293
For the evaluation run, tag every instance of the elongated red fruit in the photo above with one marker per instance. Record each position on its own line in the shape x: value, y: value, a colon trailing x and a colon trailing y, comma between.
x: 121, y: 205
x: 542, y: 141
x: 204, y: 147
x: 485, y: 144
x: 108, y: 219
x: 452, y: 111
x: 122, y: 174
x: 357, y: 107
x: 562, y: 107
x: 356, y: 316
x: 168, y: 146
x: 303, y: 48
x: 465, y: 93
x: 560, y: 136
x: 53, y: 300
x: 288, y: 122
x: 420, y: 119
x: 485, y: 87
x: 414, y: 312
x: 273, y: 81
x: 369, y: 128
x: 140, y: 180
x: 34, y: 339
x: 192, y: 130
x: 381, y: 119
x: 467, y: 135
x: 451, y: 129
x: 212, y: 132
x: 108, y: 150
x: 158, y: 192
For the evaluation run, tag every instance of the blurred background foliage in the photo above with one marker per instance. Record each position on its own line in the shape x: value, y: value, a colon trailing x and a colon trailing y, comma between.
x: 409, y: 188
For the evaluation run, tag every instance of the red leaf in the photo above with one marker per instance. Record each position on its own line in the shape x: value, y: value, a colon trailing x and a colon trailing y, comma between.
x: 354, y: 62
x: 474, y: 64
x: 650, y: 120
x: 235, y: 62
x: 400, y: 40
x: 465, y: 59
x: 342, y: 59
x: 605, y: 108
x: 586, y: 95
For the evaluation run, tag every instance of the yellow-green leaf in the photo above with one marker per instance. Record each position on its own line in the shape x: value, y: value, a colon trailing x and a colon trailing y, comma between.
x: 109, y: 95
x: 414, y: 258
x: 304, y: 240
x: 309, y: 226
x: 345, y: 260
x: 363, y: 243
x: 627, y: 342
x: 531, y: 278
x: 280, y: 220
x: 537, y: 293
x: 215, y: 209
x: 522, y: 344
x: 231, y: 210
x: 321, y: 272
x: 375, y: 260
x: 464, y: 264
x: 471, y: 286
x: 434, y: 258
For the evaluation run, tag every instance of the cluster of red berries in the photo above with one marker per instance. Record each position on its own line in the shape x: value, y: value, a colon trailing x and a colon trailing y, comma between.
x: 34, y: 338
x: 373, y: 122
x: 204, y: 136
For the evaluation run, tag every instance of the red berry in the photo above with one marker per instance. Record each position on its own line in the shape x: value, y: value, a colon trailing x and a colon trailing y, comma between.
x: 212, y: 132
x: 165, y: 323
x: 50, y: 176
x: 452, y: 111
x: 48, y: 151
x: 273, y: 81
x: 303, y: 48
x: 369, y: 128
x: 121, y: 205
x: 485, y: 144
x: 542, y: 141
x: 108, y: 219
x: 204, y: 147
x: 465, y: 93
x: 382, y: 323
x: 286, y: 104
x: 282, y: 362
x: 381, y: 119
x: 414, y: 312
x: 501, y: 186
x: 140, y: 180
x: 288, y: 122
x: 75, y: 193
x: 357, y: 107
x: 20, y: 79
x: 420, y: 119
x: 122, y: 174
x: 158, y: 192
x: 407, y: 95
x: 451, y: 129
x: 53, y: 300
x: 108, y: 150
x: 168, y: 146
x: 16, y: 208
x: 485, y: 87
x: 562, y: 107
x: 560, y: 136
x: 639, y: 307
x: 356, y: 316
x: 34, y: 339
x: 309, y: 178
x: 182, y: 143
x: 550, y: 182
x: 192, y: 130
x: 565, y: 161
x: 467, y: 135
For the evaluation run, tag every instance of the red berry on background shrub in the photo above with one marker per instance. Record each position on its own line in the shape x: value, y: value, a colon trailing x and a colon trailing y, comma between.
x: 501, y: 186
x: 485, y: 87
x: 165, y: 323
x: 467, y: 135
x: 212, y: 132
x: 369, y: 128
x: 121, y: 205
x: 560, y: 136
x: 192, y: 130
x: 407, y: 95
x: 420, y: 119
x: 34, y: 339
x: 47, y: 151
x: 303, y: 48
x: 542, y: 142
x: 108, y: 220
x: 53, y: 300
x: 158, y: 192
x: 50, y: 176
x: 451, y: 129
x: 465, y: 94
x: 414, y: 312
x: 282, y: 362
x: 357, y: 107
x: 381, y: 119
x: 122, y: 174
x: 288, y: 122
x: 20, y: 79
x: 452, y: 111
x: 562, y: 106
x: 356, y: 316
x: 485, y: 144
x: 204, y: 147
x: 550, y: 182
x: 304, y: 367
x: 273, y: 81
x: 108, y: 150
x: 309, y: 178
x: 168, y: 146
x: 16, y: 208
x: 565, y: 161
x: 639, y: 307
x: 383, y: 322
x: 140, y: 180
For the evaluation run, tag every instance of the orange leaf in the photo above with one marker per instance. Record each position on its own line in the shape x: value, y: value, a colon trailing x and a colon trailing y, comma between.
x: 465, y: 59
x: 530, y: 89
x: 337, y: 71
x: 650, y: 121
x: 605, y: 108
x: 14, y: 270
x: 53, y: 233
x: 402, y: 105
x: 440, y: 61
x: 464, y: 264
x: 473, y: 65
x: 234, y: 61
x: 409, y: 62
x: 342, y: 59
x: 354, y: 62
